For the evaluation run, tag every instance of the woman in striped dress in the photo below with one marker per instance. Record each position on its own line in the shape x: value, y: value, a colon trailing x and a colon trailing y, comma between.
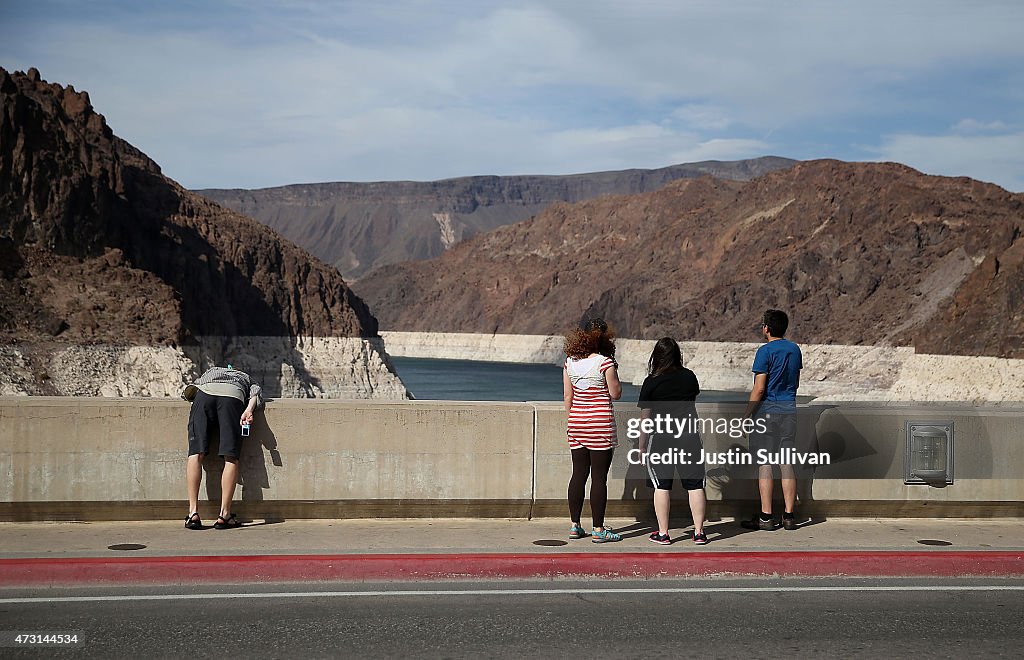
x: 589, y: 383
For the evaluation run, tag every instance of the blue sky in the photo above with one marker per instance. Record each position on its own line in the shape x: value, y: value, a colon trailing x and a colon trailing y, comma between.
x: 254, y: 94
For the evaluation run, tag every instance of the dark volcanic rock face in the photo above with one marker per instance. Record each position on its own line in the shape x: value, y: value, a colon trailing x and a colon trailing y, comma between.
x: 96, y: 245
x: 858, y: 253
x: 361, y: 226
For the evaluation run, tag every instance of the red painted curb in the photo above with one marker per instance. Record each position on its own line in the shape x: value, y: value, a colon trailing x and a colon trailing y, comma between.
x: 638, y: 565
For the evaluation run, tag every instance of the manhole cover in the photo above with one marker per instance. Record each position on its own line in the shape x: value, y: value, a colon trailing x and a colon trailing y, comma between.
x: 934, y: 542
x: 126, y: 546
x: 550, y: 542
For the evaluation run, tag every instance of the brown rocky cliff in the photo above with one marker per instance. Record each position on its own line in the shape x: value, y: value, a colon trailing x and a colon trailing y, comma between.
x: 361, y: 226
x: 99, y: 246
x: 858, y: 253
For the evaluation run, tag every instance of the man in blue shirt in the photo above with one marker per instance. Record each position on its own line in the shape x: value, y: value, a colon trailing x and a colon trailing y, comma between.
x: 776, y: 370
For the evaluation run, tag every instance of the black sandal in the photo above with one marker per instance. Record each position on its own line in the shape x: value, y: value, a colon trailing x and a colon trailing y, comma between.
x: 193, y: 521
x: 230, y: 522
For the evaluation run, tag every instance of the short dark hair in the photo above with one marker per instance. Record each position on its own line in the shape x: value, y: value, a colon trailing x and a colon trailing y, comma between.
x: 777, y: 322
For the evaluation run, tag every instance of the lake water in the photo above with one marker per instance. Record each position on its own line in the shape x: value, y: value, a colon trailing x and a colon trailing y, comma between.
x: 470, y: 380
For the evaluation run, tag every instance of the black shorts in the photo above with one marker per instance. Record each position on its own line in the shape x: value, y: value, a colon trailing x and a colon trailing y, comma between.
x: 780, y: 431
x: 686, y: 467
x: 215, y: 414
x: 666, y: 484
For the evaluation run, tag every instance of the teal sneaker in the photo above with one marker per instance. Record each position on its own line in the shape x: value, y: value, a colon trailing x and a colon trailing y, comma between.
x: 605, y: 536
x: 577, y: 532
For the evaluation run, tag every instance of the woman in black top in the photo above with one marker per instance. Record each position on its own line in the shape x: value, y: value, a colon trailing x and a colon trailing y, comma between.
x: 669, y: 391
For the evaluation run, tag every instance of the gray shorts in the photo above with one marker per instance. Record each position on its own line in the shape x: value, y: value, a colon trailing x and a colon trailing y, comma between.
x: 780, y: 432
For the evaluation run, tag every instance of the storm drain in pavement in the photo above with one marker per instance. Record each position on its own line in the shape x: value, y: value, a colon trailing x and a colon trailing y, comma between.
x: 934, y: 542
x: 126, y: 546
x: 550, y: 542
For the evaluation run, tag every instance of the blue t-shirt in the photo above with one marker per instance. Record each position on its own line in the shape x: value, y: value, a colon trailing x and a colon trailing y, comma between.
x: 781, y: 360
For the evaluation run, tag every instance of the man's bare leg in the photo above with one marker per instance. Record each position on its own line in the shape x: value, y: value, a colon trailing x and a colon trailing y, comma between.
x: 788, y: 487
x: 227, y: 485
x: 193, y: 477
x: 764, y: 486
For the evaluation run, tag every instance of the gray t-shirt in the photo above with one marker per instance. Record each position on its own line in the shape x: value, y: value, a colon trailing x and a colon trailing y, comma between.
x: 220, y: 381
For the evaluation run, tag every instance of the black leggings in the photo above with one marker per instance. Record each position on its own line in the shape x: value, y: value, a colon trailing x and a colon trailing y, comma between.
x: 595, y: 463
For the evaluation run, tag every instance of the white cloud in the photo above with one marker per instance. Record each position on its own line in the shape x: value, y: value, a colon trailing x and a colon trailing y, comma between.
x: 723, y: 149
x: 703, y: 117
x: 995, y: 158
x: 974, y: 126
x: 260, y: 94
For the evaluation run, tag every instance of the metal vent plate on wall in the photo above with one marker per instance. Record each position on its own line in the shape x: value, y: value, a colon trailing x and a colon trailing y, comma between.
x: 929, y: 453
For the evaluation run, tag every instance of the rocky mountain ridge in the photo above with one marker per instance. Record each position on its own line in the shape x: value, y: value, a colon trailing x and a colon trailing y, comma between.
x: 97, y: 247
x: 361, y: 226
x: 858, y: 253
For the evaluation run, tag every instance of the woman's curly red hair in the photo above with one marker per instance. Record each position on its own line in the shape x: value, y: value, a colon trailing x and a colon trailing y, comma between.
x: 594, y: 337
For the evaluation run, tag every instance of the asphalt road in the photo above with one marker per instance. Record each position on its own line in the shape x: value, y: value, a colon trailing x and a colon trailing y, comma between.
x: 695, y: 618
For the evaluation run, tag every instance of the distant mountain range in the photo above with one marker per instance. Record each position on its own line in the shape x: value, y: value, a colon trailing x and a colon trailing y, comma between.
x: 97, y: 246
x: 857, y: 253
x: 361, y: 226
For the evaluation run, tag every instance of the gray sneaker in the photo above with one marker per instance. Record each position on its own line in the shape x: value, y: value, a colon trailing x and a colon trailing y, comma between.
x: 757, y: 523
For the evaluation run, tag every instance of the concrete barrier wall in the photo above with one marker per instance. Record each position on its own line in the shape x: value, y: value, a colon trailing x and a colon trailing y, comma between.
x: 361, y: 458
x: 988, y: 453
x: 866, y: 442
x: 95, y: 458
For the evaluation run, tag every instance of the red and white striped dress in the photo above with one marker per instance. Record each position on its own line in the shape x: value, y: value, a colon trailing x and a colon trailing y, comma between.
x: 591, y: 418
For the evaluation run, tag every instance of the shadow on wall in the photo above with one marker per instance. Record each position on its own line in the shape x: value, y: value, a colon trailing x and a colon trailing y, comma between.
x: 739, y: 483
x: 253, y: 476
x: 635, y: 483
x: 736, y: 485
x: 853, y: 455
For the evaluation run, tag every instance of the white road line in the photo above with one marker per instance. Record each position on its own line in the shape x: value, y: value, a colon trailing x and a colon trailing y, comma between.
x: 710, y: 591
